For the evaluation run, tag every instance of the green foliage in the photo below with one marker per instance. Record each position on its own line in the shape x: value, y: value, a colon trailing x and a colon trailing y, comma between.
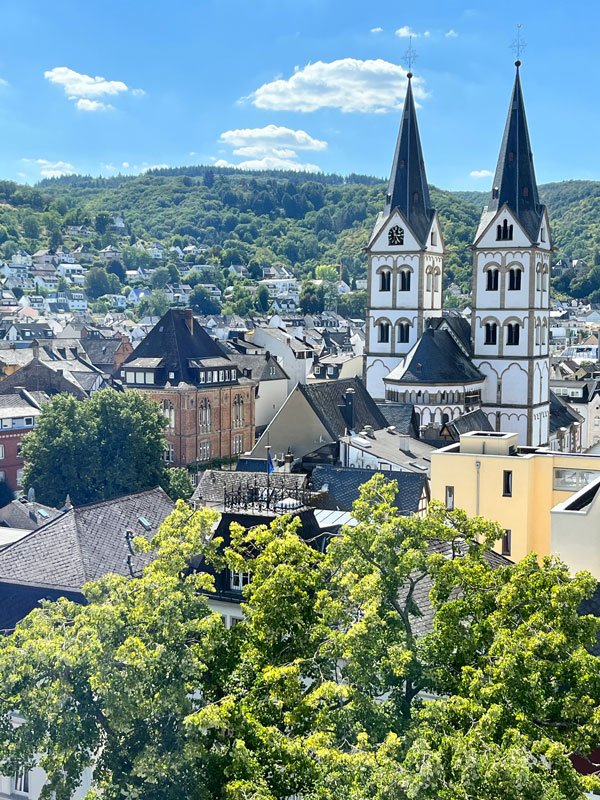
x: 330, y: 688
x: 202, y: 302
x: 6, y: 494
x: 109, y: 445
x: 98, y: 282
x: 156, y: 304
x: 177, y: 483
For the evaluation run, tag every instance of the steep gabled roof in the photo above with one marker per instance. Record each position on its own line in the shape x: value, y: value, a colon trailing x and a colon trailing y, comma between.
x: 561, y: 414
x: 85, y: 543
x: 177, y: 338
x: 408, y: 190
x: 514, y: 182
x: 326, y: 399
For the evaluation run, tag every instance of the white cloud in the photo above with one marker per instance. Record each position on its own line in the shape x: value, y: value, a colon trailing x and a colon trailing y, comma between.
x: 427, y: 34
x: 270, y: 162
x: 269, y: 137
x: 125, y: 164
x: 451, y: 34
x: 84, y: 90
x: 348, y: 84
x: 4, y: 82
x: 481, y: 173
x: 51, y: 169
x: 271, y: 147
x: 405, y: 31
x: 85, y: 104
x: 377, y: 30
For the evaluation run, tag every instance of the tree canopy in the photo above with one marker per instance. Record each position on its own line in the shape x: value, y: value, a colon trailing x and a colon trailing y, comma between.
x: 95, y: 449
x: 333, y: 686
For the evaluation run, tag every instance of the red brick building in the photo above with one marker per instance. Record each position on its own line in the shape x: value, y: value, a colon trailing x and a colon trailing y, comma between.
x: 207, y: 402
x: 18, y: 412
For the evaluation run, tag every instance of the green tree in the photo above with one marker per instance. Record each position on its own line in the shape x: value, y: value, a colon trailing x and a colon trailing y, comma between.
x: 326, y: 272
x: 109, y: 445
x: 262, y: 299
x: 177, y: 483
x: 155, y: 305
x: 160, y: 278
x: 202, y: 302
x: 98, y: 282
x: 331, y: 687
x: 101, y: 222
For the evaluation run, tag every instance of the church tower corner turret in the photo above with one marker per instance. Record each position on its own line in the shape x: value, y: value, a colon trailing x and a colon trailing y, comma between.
x: 405, y: 254
x: 511, y: 289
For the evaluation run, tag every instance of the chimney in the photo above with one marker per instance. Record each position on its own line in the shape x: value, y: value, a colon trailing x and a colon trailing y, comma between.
x: 288, y: 460
x: 35, y: 346
x: 347, y: 409
x: 188, y: 316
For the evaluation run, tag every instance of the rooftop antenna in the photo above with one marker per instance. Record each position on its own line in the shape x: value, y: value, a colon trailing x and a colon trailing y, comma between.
x: 518, y: 45
x: 410, y: 56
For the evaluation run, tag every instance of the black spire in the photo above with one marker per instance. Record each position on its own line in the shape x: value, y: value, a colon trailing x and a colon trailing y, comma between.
x: 408, y: 189
x: 514, y: 181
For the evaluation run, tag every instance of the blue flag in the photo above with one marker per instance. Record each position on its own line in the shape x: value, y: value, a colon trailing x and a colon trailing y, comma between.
x: 270, y: 465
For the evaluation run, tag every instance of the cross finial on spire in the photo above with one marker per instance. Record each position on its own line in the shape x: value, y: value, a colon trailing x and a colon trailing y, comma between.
x: 518, y: 45
x: 410, y: 56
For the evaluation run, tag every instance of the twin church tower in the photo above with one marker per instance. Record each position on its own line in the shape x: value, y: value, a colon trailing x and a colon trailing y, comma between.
x: 438, y: 363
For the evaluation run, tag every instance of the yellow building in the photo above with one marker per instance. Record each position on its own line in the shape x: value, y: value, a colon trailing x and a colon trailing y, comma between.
x: 489, y: 474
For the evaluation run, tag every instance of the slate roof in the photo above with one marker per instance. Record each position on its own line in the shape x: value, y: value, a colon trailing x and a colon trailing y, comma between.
x: 85, y: 543
x: 561, y: 414
x: 343, y: 487
x: 401, y: 416
x: 436, y: 359
x: 21, y: 514
x: 178, y: 339
x: 515, y: 176
x: 102, y: 352
x: 475, y: 420
x: 327, y: 399
x: 215, y: 482
x: 258, y: 367
x: 408, y: 190
x: 249, y: 464
x: 423, y: 623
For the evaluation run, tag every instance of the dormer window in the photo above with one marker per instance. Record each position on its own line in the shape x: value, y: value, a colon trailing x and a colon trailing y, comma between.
x: 495, y: 193
x: 542, y: 234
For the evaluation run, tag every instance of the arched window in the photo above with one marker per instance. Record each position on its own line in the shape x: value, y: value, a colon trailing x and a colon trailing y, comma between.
x: 436, y: 281
x: 383, y: 332
x: 396, y: 235
x: 512, y: 333
x: 429, y: 282
x: 403, y: 332
x: 491, y: 333
x: 238, y: 412
x: 504, y: 232
x: 537, y: 331
x: 544, y: 332
x: 168, y: 412
x: 492, y: 280
x: 204, y: 416
x: 514, y: 279
x: 385, y: 281
x: 404, y: 280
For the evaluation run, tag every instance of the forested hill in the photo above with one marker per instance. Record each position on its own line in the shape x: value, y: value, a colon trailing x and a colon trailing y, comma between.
x: 297, y: 219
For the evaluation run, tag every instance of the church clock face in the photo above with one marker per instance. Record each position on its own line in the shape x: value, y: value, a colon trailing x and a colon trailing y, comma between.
x: 396, y: 235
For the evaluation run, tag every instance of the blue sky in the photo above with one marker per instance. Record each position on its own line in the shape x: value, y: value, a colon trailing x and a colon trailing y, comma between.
x: 106, y: 87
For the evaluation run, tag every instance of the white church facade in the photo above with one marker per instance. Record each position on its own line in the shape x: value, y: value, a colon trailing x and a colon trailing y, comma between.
x: 444, y: 366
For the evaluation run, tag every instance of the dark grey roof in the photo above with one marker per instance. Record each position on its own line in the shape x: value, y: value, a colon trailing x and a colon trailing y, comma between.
x: 423, y: 622
x: 561, y: 414
x: 214, y: 482
x: 178, y: 339
x: 408, y: 190
x: 437, y: 359
x: 475, y: 420
x: 24, y: 515
x: 101, y: 352
x: 401, y: 416
x: 343, y: 487
x: 514, y: 182
x: 249, y: 464
x: 86, y: 543
x: 258, y: 367
x: 327, y: 399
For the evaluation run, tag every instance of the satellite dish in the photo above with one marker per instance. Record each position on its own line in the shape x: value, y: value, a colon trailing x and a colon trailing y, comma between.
x: 31, y: 495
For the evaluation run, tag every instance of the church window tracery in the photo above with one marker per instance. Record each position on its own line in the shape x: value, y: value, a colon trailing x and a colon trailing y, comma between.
x: 492, y: 280
x: 491, y: 333
x: 514, y: 279
x: 385, y: 281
